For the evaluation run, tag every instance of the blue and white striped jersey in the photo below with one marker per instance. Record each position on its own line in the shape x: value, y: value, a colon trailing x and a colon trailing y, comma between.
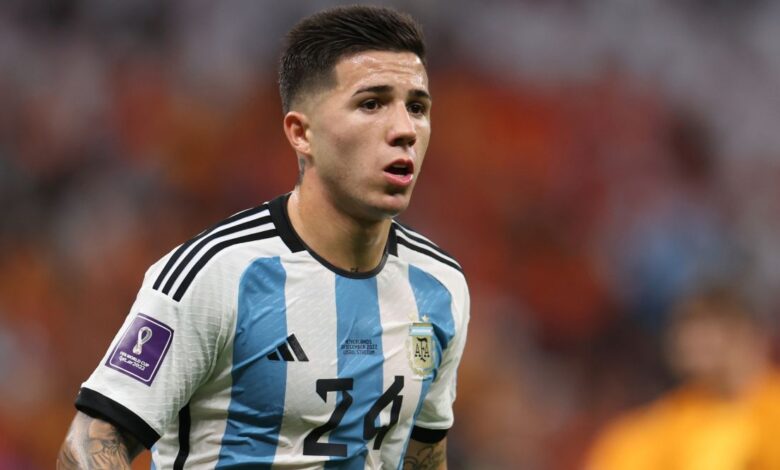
x: 245, y: 349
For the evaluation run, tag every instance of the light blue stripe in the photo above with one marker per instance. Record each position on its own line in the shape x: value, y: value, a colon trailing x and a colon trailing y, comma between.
x: 421, y: 331
x: 357, y: 310
x: 257, y: 397
x: 435, y: 301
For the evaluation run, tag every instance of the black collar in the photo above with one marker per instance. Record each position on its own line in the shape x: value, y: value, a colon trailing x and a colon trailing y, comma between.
x: 281, y: 219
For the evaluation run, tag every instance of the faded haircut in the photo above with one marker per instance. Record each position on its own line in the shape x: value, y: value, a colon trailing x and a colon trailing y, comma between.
x: 318, y: 42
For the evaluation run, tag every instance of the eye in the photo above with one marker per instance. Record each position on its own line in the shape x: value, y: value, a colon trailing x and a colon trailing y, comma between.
x: 416, y: 108
x: 370, y: 104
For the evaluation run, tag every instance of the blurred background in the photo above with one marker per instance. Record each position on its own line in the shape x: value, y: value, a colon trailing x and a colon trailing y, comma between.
x: 592, y: 164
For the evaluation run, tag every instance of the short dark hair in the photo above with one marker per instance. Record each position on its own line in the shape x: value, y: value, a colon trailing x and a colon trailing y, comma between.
x: 318, y: 42
x: 716, y: 302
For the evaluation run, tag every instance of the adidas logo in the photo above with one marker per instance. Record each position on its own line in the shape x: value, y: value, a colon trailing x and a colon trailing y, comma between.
x: 284, y: 351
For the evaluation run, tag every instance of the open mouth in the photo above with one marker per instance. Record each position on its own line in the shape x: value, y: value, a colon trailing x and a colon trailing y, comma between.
x: 400, y: 168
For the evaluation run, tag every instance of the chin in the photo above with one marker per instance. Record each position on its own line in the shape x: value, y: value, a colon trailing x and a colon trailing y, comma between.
x: 388, y: 207
x: 393, y: 205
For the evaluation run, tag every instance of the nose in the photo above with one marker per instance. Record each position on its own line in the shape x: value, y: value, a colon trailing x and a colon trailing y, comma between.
x: 402, y: 131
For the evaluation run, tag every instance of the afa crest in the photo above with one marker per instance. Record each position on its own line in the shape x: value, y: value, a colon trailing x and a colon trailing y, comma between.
x: 422, y: 350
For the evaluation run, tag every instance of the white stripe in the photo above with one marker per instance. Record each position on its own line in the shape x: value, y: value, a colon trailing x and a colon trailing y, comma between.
x: 218, y: 230
x: 311, y: 316
x: 207, y: 430
x: 208, y: 246
x: 408, y: 231
x: 426, y: 247
x: 415, y: 233
x: 398, y: 310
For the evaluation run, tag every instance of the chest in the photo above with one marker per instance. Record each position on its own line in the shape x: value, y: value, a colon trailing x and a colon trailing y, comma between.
x: 309, y: 343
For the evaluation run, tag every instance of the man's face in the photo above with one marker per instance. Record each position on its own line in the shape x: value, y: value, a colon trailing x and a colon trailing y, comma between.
x: 708, y: 348
x: 698, y: 346
x: 369, y: 132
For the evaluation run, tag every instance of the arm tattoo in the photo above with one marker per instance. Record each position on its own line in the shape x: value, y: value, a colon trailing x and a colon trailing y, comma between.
x: 106, y: 448
x: 67, y: 458
x: 429, y: 457
x: 94, y: 444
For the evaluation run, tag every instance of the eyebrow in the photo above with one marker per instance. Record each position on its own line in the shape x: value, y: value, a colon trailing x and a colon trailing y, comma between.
x: 380, y: 89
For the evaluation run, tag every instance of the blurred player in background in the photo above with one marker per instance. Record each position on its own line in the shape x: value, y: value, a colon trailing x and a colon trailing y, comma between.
x: 312, y: 331
x: 726, y: 413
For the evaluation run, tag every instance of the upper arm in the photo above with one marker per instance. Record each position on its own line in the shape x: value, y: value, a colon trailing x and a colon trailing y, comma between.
x: 158, y: 359
x: 426, y: 456
x: 95, y: 443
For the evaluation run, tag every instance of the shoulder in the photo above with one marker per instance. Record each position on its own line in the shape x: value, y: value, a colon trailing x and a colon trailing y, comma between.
x: 413, y: 244
x: 418, y: 250
x: 218, y: 254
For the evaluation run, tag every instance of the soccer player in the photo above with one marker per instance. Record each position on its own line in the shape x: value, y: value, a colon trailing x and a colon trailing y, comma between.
x: 312, y: 331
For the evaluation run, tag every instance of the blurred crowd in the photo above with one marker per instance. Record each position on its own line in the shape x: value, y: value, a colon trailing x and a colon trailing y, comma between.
x: 593, y: 164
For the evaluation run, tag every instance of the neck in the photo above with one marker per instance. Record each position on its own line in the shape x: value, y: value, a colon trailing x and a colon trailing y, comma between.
x: 342, y: 240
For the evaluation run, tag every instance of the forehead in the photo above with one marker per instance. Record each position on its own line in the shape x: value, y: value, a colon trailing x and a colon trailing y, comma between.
x: 403, y: 70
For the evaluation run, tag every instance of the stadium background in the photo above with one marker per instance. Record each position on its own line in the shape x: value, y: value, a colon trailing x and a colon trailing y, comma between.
x: 591, y: 162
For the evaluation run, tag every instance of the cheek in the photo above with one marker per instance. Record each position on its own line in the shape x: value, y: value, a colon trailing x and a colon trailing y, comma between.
x: 421, y: 146
x: 328, y: 146
x: 341, y: 154
x: 355, y: 144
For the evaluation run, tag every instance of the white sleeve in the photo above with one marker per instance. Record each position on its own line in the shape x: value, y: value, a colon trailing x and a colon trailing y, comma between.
x: 436, y: 415
x: 163, y: 352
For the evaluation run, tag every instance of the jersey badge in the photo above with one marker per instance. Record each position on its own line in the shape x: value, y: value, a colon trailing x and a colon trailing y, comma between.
x: 422, y: 351
x: 141, y: 349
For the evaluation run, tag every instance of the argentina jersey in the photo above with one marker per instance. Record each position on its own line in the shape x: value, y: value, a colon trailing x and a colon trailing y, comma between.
x: 245, y: 349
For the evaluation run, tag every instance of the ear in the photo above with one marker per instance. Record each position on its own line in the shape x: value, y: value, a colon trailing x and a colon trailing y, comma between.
x: 296, y: 125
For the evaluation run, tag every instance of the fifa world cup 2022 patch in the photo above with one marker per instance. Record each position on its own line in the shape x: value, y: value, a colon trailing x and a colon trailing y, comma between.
x: 141, y: 349
x: 422, y: 350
